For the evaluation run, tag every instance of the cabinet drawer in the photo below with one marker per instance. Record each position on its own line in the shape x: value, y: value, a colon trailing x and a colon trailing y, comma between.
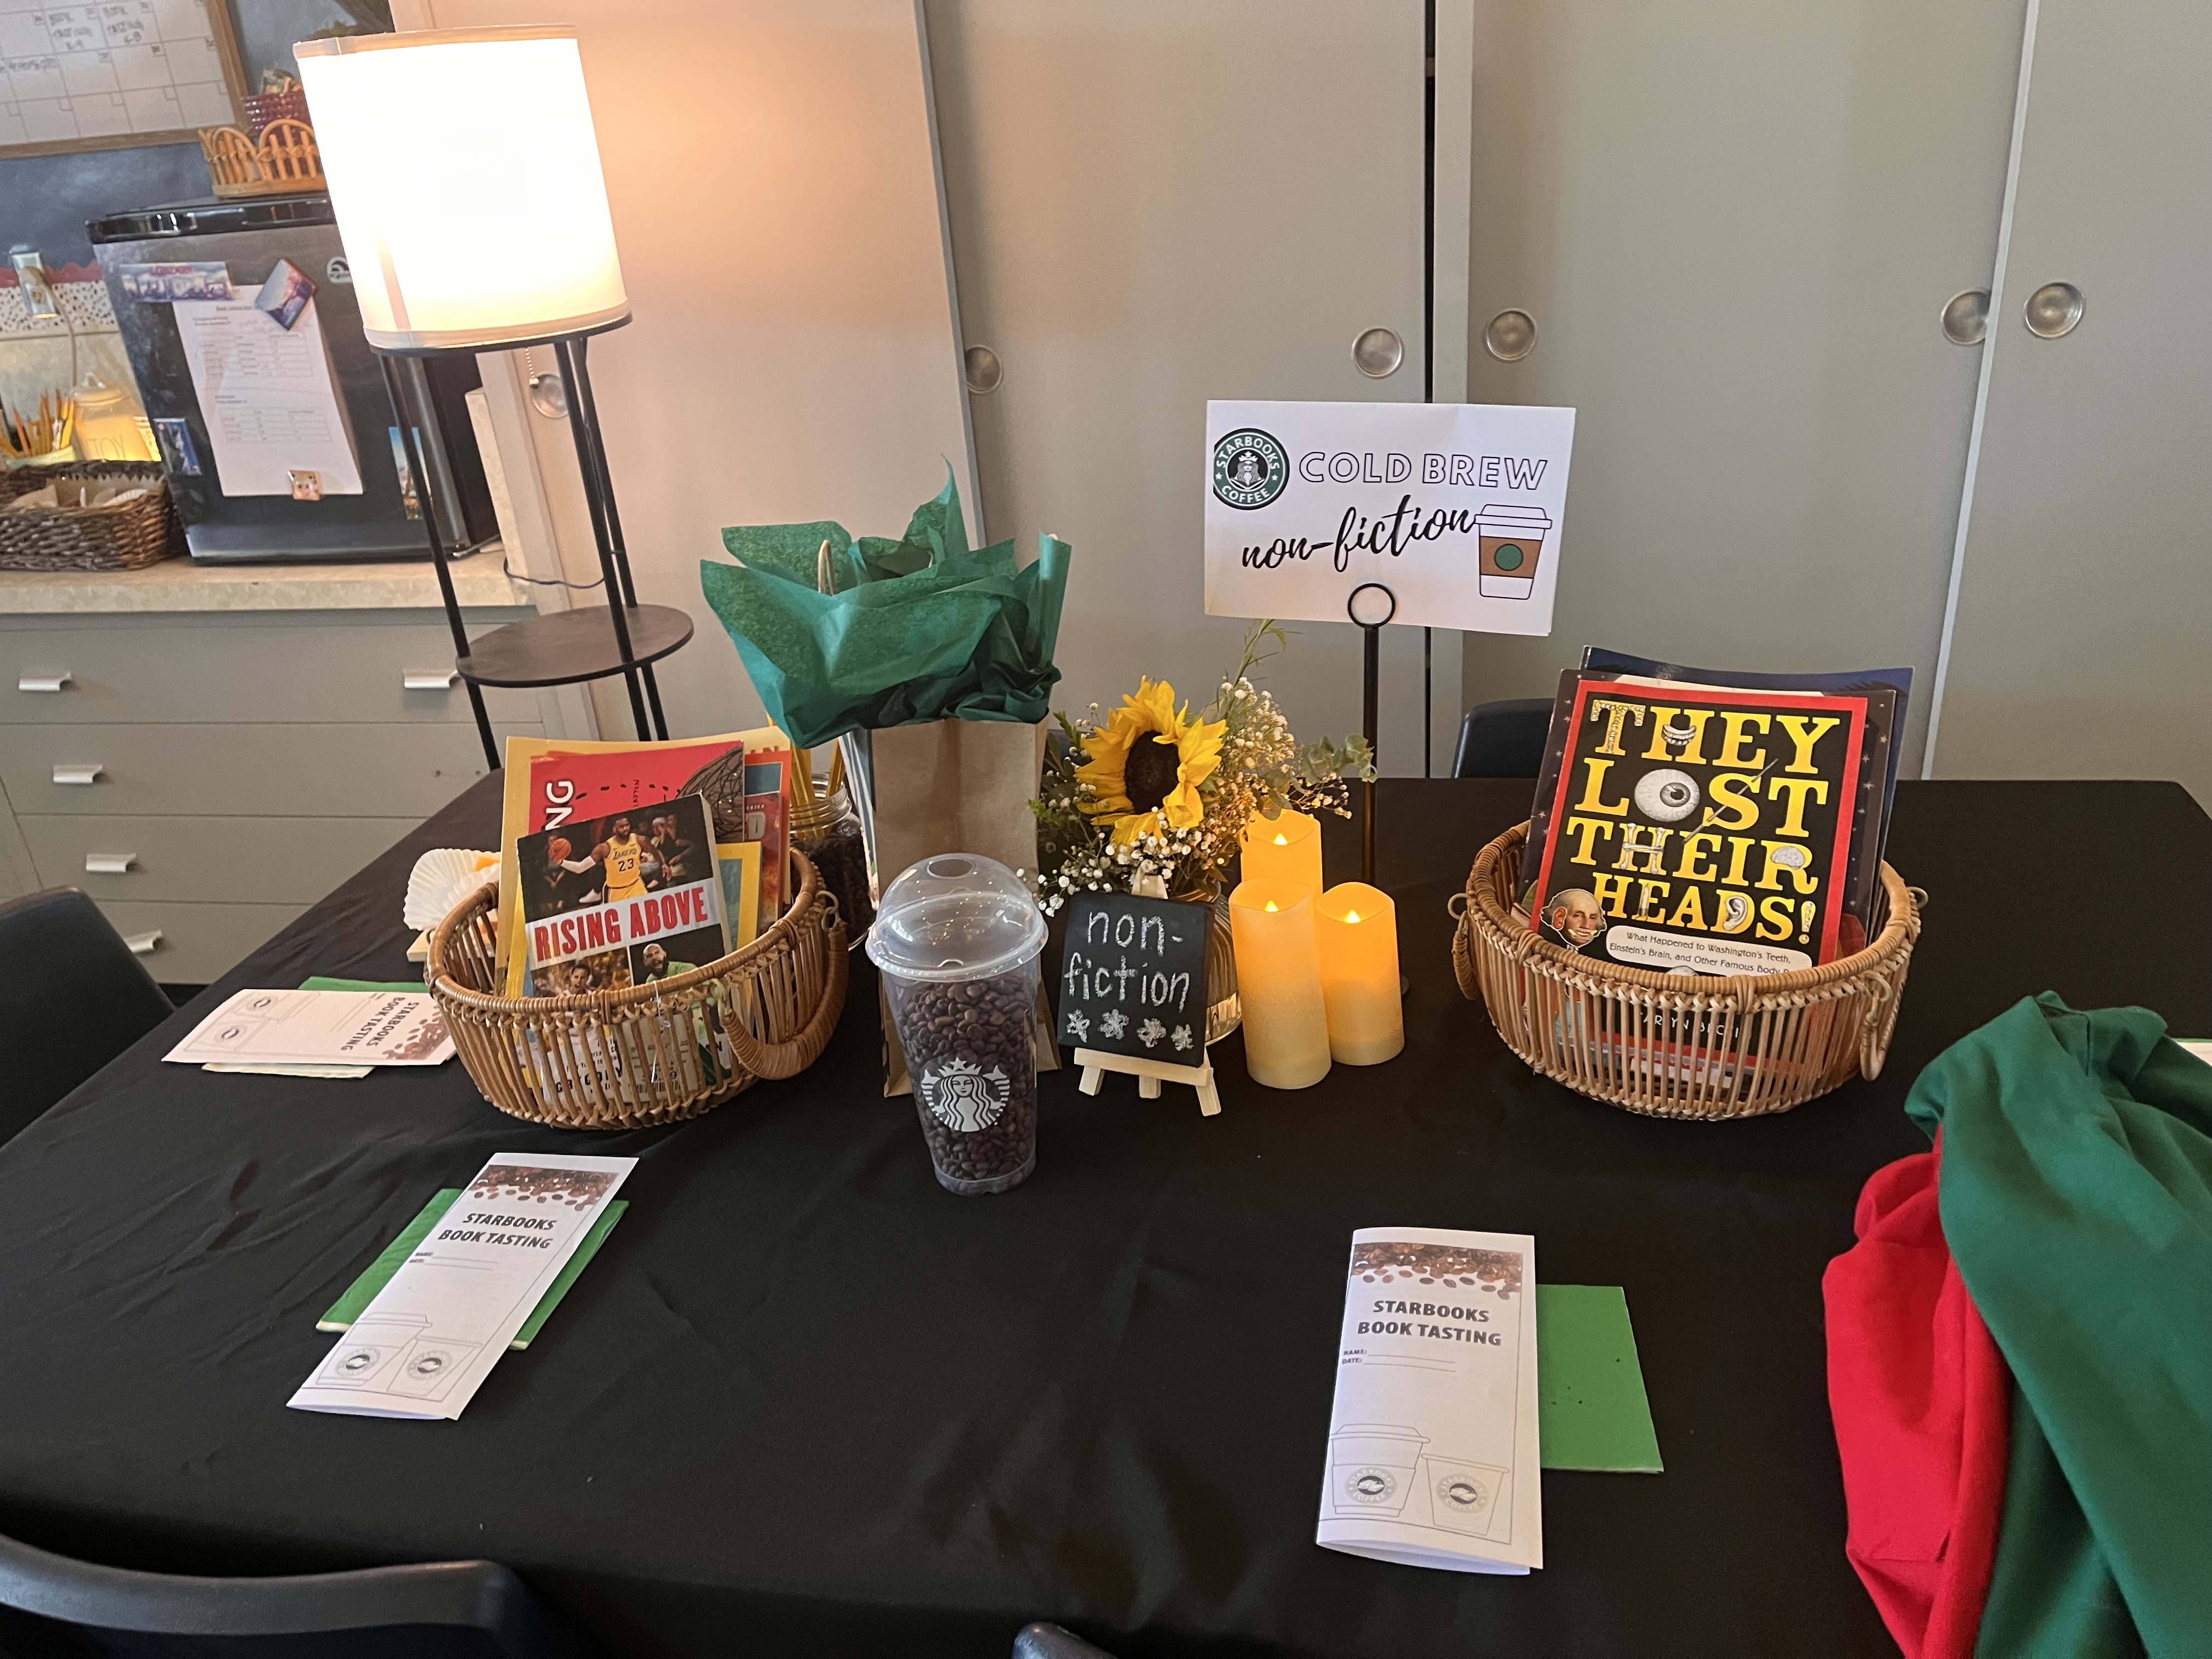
x: 260, y: 860
x: 243, y: 667
x: 198, y: 942
x: 239, y: 771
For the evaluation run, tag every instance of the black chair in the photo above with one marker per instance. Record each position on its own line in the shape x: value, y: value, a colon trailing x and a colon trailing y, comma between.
x: 1050, y: 1642
x: 73, y: 998
x: 53, y: 1607
x: 1504, y: 739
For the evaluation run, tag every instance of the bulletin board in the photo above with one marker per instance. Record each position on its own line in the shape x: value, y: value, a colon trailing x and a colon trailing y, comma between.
x: 115, y: 74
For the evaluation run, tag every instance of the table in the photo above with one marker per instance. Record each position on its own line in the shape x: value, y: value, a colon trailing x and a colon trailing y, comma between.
x: 806, y: 1402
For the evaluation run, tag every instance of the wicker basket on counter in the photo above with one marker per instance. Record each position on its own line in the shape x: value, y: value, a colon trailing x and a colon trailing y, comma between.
x: 128, y: 536
x: 1675, y: 1045
x: 649, y: 1053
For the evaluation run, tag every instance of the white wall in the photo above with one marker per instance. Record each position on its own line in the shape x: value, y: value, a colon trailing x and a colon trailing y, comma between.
x: 792, y: 353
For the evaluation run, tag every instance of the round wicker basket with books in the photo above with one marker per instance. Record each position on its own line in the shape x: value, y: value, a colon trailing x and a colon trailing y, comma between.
x: 1680, y: 1045
x: 647, y: 1054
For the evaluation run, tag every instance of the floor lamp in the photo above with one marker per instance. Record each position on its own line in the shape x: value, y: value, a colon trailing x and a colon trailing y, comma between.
x: 465, y: 174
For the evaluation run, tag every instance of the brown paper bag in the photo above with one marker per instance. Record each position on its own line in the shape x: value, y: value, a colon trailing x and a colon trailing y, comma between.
x: 956, y: 786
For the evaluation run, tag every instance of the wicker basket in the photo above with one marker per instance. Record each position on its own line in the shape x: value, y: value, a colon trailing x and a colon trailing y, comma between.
x: 126, y: 538
x: 280, y: 159
x: 652, y: 1054
x: 1674, y: 1045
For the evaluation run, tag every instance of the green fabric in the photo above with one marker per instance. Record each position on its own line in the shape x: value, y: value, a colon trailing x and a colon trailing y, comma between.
x: 1592, y: 1410
x: 2076, y: 1196
x: 324, y: 982
x: 363, y: 1291
x: 921, y: 628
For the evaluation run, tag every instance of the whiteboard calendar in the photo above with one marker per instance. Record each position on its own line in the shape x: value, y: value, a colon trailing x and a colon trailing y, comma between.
x: 114, y: 73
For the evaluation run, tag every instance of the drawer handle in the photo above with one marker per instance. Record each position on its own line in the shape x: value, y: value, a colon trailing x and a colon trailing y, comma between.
x: 430, y: 679
x: 79, y: 775
x: 43, y: 681
x: 109, y: 864
x: 145, y: 944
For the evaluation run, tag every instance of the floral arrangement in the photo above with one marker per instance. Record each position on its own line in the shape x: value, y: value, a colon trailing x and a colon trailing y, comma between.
x: 1155, y: 799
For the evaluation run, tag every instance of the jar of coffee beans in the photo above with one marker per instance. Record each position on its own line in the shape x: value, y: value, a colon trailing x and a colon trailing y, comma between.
x: 828, y: 831
x: 957, y: 938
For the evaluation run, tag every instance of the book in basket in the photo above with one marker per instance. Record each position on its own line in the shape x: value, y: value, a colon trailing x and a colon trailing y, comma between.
x: 621, y: 900
x: 1702, y: 829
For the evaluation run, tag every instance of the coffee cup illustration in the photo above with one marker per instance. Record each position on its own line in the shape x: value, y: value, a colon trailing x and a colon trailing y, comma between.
x: 1470, y: 1498
x: 1370, y: 1468
x: 1512, y: 540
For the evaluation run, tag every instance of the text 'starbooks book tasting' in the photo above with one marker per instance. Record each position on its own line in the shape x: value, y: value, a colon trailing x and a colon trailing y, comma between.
x: 1434, y: 1438
x: 621, y: 900
x: 1702, y: 829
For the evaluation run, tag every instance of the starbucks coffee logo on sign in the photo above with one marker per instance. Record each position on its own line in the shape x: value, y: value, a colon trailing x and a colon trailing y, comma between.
x: 1249, y: 469
x: 961, y: 1094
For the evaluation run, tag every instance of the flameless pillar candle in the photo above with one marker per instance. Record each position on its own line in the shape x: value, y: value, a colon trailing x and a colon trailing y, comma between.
x: 1279, y: 983
x: 1285, y: 849
x: 1357, y: 926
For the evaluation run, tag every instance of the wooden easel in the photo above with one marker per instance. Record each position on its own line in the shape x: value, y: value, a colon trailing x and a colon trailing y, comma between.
x: 1150, y: 1074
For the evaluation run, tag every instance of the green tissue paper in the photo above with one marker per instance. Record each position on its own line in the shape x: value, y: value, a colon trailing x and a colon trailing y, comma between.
x: 921, y: 628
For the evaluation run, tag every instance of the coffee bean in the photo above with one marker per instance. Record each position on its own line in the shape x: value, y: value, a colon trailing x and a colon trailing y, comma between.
x: 968, y: 1049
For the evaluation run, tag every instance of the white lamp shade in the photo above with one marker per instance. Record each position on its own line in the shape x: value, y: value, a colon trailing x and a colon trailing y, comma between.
x: 465, y: 178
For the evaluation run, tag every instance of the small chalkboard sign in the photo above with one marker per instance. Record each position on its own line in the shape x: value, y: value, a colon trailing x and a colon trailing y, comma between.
x: 1133, y: 981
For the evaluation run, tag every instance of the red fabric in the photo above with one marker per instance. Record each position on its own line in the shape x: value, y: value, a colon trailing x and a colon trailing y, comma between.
x: 1923, y: 1406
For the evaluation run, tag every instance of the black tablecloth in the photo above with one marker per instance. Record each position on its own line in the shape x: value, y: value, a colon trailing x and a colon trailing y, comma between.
x: 806, y: 1402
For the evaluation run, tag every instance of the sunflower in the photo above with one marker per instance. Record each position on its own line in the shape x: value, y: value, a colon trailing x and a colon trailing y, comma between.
x: 1146, y: 768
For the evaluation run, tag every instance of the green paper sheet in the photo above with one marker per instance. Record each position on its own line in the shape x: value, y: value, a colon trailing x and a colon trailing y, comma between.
x: 363, y: 1290
x: 1592, y: 1410
x: 324, y: 982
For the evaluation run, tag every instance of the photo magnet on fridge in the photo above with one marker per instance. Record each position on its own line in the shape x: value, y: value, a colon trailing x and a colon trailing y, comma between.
x: 1457, y: 509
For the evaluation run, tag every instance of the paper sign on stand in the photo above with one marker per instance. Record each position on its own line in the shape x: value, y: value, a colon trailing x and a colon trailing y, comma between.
x: 1457, y: 509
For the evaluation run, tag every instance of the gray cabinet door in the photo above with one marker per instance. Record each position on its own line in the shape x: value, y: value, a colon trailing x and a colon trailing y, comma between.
x: 2082, y: 624
x: 1737, y: 225
x: 1152, y: 204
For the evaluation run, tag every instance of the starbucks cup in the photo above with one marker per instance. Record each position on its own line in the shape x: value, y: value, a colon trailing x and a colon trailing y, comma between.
x: 1511, y: 541
x: 957, y: 936
x: 1370, y: 1468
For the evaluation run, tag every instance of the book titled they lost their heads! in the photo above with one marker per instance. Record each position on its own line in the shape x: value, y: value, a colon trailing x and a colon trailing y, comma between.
x: 1712, y: 830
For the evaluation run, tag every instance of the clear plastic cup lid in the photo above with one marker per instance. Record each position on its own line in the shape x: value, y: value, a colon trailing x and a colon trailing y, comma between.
x: 954, y: 916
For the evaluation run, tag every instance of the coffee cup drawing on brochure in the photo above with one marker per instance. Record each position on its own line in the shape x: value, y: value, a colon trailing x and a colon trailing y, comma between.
x: 1469, y: 1497
x: 1370, y: 1468
x: 1511, y: 543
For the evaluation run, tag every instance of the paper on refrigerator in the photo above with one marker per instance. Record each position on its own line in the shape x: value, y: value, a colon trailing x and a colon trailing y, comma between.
x: 1432, y: 1440
x: 266, y: 395
x: 427, y: 1341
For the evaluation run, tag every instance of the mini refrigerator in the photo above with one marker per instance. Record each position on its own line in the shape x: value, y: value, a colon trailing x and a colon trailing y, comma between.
x: 207, y: 252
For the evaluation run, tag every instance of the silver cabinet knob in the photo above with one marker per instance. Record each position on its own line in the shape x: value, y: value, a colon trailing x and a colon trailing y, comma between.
x: 109, y: 864
x: 2052, y: 310
x: 78, y: 775
x: 1967, y: 317
x: 1378, y: 353
x: 43, y: 681
x: 145, y: 944
x: 1509, y: 336
x: 429, y: 679
x: 984, y: 371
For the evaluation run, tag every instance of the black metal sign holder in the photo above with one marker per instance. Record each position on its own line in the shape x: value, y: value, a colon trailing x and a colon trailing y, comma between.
x: 1370, y: 625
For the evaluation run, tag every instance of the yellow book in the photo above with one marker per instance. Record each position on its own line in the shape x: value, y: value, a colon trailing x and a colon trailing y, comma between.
x: 740, y: 867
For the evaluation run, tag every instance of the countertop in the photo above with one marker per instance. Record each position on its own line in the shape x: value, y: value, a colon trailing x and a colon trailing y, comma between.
x: 181, y: 584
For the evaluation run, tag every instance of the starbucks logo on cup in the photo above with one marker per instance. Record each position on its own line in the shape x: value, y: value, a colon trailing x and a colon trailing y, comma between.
x: 964, y: 1097
x: 1249, y: 469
